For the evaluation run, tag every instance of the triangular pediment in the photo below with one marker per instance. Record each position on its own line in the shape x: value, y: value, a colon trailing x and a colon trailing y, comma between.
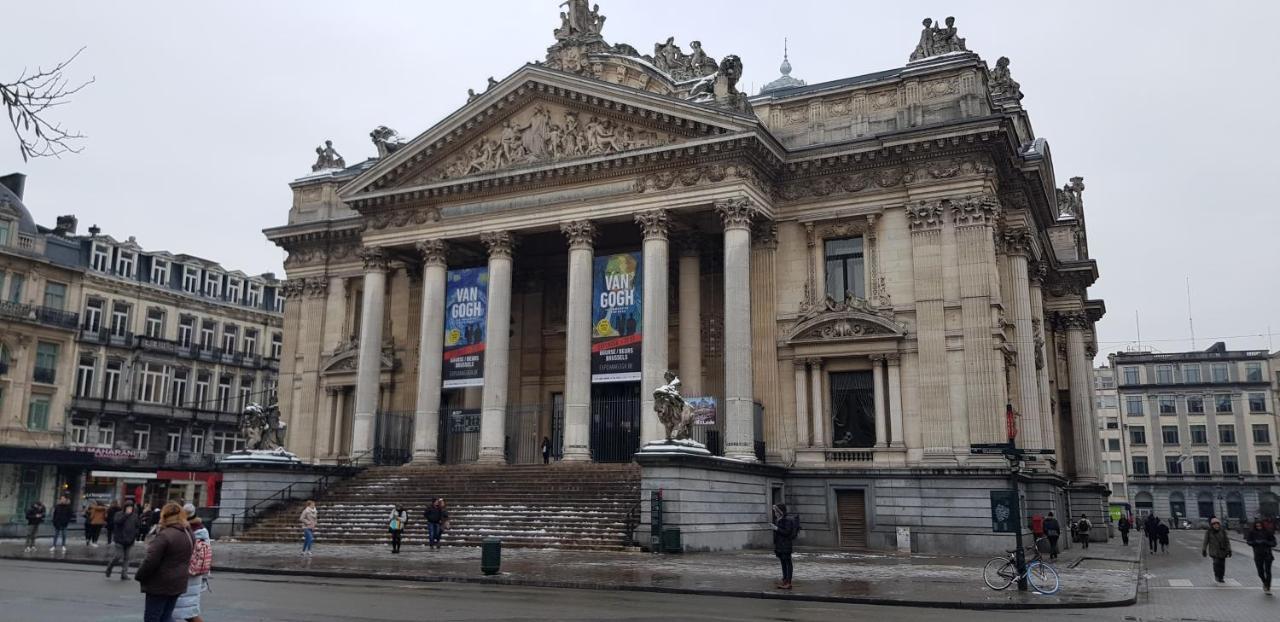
x: 844, y: 324
x: 539, y: 117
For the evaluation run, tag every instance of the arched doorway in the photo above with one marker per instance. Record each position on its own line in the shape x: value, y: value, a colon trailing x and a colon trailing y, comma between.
x: 1204, y: 505
x: 1177, y: 506
x: 1235, y: 507
x: 1143, y: 503
x: 1269, y: 505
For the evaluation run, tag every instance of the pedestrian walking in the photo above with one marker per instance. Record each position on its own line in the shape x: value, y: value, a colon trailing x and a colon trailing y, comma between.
x: 97, y: 521
x: 396, y: 526
x: 785, y: 530
x: 188, y: 605
x: 112, y: 510
x: 61, y: 520
x: 146, y: 520
x: 1218, y: 546
x: 1162, y: 534
x: 163, y: 573
x: 1152, y: 531
x: 1083, y: 527
x: 1052, y: 531
x: 35, y: 516
x: 124, y: 533
x: 437, y: 516
x: 1262, y: 541
x: 308, y: 520
x: 546, y: 450
x: 1124, y: 525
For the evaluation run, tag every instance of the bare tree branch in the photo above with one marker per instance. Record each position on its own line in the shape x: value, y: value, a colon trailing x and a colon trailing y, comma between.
x: 27, y: 101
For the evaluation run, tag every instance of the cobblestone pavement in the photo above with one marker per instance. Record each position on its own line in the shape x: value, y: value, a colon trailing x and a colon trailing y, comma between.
x: 1106, y: 577
x: 1179, y: 585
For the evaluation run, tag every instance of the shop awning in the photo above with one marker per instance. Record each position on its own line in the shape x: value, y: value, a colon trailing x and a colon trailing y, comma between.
x: 40, y: 455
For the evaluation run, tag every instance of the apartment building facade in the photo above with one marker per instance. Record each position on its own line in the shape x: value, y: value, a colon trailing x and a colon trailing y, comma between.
x: 1114, y: 455
x: 1200, y: 429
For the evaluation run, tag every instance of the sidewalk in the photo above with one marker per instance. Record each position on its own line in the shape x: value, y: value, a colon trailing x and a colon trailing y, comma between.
x: 1105, y: 577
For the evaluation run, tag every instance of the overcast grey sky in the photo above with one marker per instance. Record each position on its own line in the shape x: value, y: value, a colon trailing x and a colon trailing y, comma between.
x: 202, y: 114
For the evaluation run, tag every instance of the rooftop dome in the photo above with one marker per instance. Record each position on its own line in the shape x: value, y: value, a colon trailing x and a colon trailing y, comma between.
x: 786, y: 81
x: 11, y: 187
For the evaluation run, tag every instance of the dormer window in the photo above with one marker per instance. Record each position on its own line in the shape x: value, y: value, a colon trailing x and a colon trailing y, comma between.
x: 159, y: 271
x: 100, y: 259
x: 191, y: 279
x: 212, y: 284
x: 125, y: 262
x: 234, y: 289
x: 253, y: 295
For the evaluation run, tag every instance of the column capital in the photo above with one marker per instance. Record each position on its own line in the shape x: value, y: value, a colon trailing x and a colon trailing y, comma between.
x: 736, y: 213
x: 976, y: 210
x: 892, y: 358
x: 581, y: 234
x: 293, y: 287
x: 654, y: 223
x: 1016, y: 241
x: 374, y: 257
x: 1071, y: 320
x: 1036, y: 271
x: 876, y: 358
x: 924, y: 216
x: 765, y: 234
x: 800, y: 362
x: 433, y: 252
x: 315, y: 287
x: 499, y: 243
x: 814, y: 362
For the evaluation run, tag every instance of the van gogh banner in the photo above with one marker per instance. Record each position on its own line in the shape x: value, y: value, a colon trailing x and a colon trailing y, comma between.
x: 616, y: 325
x: 466, y: 303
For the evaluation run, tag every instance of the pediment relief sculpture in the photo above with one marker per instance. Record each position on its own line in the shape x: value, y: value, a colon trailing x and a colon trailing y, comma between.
x: 544, y: 133
x: 346, y: 357
x: 850, y: 323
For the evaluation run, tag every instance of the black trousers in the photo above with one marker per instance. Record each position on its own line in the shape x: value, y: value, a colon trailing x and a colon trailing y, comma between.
x: 1154, y: 543
x: 1084, y: 539
x: 1219, y: 568
x: 395, y: 540
x: 1264, y: 570
x: 785, y: 559
x: 1053, y: 547
x: 159, y: 608
x: 1124, y: 537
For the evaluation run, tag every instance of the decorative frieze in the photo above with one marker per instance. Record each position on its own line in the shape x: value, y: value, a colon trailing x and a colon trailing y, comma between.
x: 580, y: 233
x: 654, y: 224
x: 434, y: 252
x: 886, y: 177
x: 924, y: 215
x: 499, y: 243
x: 975, y: 210
x: 374, y: 258
x: 736, y: 213
x: 695, y: 175
x: 400, y: 218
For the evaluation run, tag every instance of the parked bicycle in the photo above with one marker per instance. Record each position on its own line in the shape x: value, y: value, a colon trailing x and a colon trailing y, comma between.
x: 1001, y: 572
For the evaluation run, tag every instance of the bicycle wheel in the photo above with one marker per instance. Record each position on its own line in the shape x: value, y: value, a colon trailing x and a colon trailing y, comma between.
x: 999, y: 573
x: 1043, y: 578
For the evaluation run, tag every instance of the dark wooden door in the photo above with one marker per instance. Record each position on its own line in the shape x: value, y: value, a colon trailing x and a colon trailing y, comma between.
x: 851, y: 514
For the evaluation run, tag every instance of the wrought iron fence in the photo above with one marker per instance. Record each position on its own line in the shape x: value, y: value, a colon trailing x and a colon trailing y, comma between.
x: 523, y: 442
x: 394, y: 438
x: 459, y: 435
x: 615, y: 422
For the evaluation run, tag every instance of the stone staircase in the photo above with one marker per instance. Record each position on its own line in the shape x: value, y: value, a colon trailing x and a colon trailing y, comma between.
x: 563, y: 506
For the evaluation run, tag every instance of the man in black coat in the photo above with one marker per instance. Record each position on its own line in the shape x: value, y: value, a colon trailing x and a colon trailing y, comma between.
x: 61, y: 519
x: 35, y: 516
x: 1124, y: 529
x: 1052, y: 531
x: 124, y: 532
x: 785, y: 530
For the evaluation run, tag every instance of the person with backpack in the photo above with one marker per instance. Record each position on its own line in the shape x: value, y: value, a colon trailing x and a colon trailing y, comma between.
x: 1262, y: 541
x: 437, y: 516
x: 396, y: 526
x: 188, y: 605
x: 1052, y: 531
x: 124, y: 533
x: 785, y: 530
x: 1083, y: 526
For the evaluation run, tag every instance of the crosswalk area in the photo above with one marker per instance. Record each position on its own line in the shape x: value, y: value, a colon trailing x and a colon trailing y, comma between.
x: 1206, y: 583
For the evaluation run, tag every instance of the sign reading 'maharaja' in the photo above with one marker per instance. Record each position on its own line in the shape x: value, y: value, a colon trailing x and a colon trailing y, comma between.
x: 466, y: 304
x: 616, y: 319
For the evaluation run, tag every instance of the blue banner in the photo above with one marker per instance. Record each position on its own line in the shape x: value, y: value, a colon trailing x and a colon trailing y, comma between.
x: 465, y: 307
x: 616, y: 322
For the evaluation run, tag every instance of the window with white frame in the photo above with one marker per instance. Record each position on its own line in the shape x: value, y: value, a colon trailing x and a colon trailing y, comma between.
x: 174, y: 444
x: 1195, y: 404
x: 201, y: 398
x: 159, y: 271
x: 227, y: 442
x: 125, y: 261
x: 1131, y: 375
x: 278, y: 305
x: 16, y: 282
x: 212, y: 284
x: 1257, y: 402
x: 1220, y: 372
x: 1223, y: 403
x: 246, y: 393
x: 55, y: 295
x: 155, y: 323
x: 38, y: 413
x: 277, y: 345
x: 224, y: 394
x: 253, y: 294
x: 6, y: 226
x: 186, y: 326
x: 191, y: 279
x: 1191, y: 374
x: 1164, y: 374
x: 100, y: 258
x: 178, y: 387
x: 230, y: 334
x: 845, y: 271
x: 93, y: 315
x: 197, y: 441
x: 208, y: 332
x: 78, y: 432
x: 270, y: 392
x: 106, y: 433
x: 142, y: 437
x: 235, y: 288
x: 151, y: 383
x: 1253, y: 372
x: 119, y: 319
x: 1133, y: 405
x: 250, y: 341
x: 84, y: 377
x: 1167, y: 404
x: 111, y: 380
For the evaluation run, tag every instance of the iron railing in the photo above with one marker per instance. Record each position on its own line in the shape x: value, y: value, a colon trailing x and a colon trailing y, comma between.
x: 244, y: 520
x: 615, y: 422
x: 48, y: 316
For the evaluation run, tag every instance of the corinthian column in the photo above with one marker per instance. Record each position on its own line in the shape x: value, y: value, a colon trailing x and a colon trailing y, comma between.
x: 426, y: 416
x: 577, y: 364
x: 653, y: 343
x: 369, y: 363
x: 925, y: 221
x: 1079, y: 368
x: 497, y: 349
x: 1048, y: 420
x: 983, y: 372
x: 739, y: 402
x: 1018, y: 243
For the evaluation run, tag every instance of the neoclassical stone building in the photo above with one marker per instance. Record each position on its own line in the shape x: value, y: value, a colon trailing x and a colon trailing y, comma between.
x: 859, y: 274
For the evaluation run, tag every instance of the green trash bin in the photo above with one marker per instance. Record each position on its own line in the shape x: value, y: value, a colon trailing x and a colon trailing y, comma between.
x: 671, y: 540
x: 491, y: 556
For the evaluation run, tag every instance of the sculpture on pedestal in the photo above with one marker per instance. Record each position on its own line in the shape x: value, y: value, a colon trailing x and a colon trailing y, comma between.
x: 327, y: 157
x: 935, y: 41
x: 262, y: 428
x: 676, y: 416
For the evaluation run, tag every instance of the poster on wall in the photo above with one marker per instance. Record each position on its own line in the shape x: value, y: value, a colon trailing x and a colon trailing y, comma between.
x: 616, y: 322
x: 704, y: 410
x: 466, y: 303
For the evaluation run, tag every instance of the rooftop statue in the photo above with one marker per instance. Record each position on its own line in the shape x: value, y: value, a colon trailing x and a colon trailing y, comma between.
x: 386, y: 140
x: 581, y: 19
x: 936, y: 41
x: 676, y: 416
x: 1002, y: 84
x: 327, y: 158
x: 670, y: 59
x: 1071, y: 199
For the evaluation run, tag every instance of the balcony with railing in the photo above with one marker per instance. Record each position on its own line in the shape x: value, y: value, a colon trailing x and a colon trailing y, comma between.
x: 44, y: 375
x: 36, y: 314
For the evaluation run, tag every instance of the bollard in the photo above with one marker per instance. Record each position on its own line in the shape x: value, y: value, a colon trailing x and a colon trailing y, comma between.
x: 490, y: 556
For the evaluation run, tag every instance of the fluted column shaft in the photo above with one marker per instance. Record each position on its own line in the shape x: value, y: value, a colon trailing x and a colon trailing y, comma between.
x: 739, y: 398
x: 802, y: 405
x: 690, y: 318
x: 426, y: 415
x: 1048, y: 419
x: 1032, y: 435
x: 653, y: 344
x: 815, y: 397
x: 497, y: 349
x: 880, y: 401
x: 1080, y: 372
x: 369, y: 361
x: 896, y: 435
x: 925, y: 221
x: 577, y: 364
x: 983, y: 377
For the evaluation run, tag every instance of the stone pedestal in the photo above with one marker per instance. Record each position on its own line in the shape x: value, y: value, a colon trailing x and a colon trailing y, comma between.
x: 246, y: 484
x: 718, y: 504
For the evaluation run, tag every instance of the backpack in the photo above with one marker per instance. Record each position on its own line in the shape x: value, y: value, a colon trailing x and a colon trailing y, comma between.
x: 201, y: 559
